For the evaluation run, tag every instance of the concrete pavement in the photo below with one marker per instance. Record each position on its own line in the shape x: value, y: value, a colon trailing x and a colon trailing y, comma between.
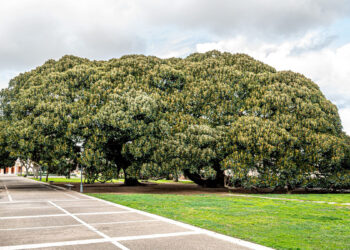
x: 34, y: 215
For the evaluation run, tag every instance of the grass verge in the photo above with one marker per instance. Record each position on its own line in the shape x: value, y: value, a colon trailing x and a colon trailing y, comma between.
x: 275, y: 223
x: 339, y: 198
x: 76, y: 180
x: 71, y: 180
x: 171, y: 181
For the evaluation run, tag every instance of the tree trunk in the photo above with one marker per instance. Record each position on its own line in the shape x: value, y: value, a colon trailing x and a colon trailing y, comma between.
x: 219, y: 180
x: 117, y: 175
x: 47, y: 175
x: 130, y: 180
x: 289, y: 189
x: 36, y: 173
x: 176, y: 176
x: 196, y: 178
x: 26, y: 166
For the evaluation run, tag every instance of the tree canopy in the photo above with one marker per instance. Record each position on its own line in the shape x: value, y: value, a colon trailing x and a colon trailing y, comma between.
x: 209, y: 116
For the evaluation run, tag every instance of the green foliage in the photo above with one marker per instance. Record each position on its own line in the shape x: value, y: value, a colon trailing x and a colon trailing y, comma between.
x: 5, y: 158
x: 205, y: 115
x: 279, y: 224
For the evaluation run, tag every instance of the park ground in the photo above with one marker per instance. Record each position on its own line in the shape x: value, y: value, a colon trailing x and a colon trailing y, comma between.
x: 35, y: 215
x: 281, y: 221
x: 278, y: 223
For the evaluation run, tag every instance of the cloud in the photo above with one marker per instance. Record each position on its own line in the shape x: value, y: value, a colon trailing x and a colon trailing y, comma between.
x: 35, y: 31
x: 287, y: 34
x: 328, y: 67
x: 345, y: 117
x: 268, y: 18
x: 313, y: 43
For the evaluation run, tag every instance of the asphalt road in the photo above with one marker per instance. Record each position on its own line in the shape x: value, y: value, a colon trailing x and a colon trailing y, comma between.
x: 34, y: 215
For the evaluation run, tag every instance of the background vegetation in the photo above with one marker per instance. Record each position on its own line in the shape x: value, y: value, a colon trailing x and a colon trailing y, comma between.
x: 279, y: 224
x: 214, y: 117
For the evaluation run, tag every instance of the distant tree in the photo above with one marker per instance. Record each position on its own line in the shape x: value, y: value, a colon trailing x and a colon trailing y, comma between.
x: 206, y: 115
x: 5, y: 157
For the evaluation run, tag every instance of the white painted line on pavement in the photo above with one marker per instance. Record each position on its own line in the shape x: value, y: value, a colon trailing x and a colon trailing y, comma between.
x: 56, y: 215
x: 94, y: 241
x: 152, y: 215
x: 24, y: 208
x: 76, y: 225
x: 42, y: 183
x: 153, y: 236
x: 54, y: 244
x: 58, y: 187
x: 32, y: 216
x: 72, y: 196
x: 101, y: 213
x: 40, y: 228
x: 39, y: 200
x: 8, y: 194
x: 90, y: 227
x: 122, y: 222
x: 195, y: 229
x: 82, y: 205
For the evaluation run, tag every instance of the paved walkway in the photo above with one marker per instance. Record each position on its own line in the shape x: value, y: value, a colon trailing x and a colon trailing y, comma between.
x: 39, y: 216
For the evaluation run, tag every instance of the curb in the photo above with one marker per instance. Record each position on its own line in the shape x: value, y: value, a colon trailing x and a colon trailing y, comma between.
x: 233, y: 240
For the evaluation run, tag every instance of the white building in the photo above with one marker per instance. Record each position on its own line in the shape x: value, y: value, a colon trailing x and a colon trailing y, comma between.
x: 21, y: 167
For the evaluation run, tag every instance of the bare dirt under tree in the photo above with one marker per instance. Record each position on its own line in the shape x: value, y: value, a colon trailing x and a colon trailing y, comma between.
x: 147, y: 188
x: 180, y: 188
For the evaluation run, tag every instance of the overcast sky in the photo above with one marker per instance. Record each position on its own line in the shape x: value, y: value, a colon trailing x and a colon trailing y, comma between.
x: 309, y: 36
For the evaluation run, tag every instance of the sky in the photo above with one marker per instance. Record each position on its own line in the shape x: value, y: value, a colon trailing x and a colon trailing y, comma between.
x: 311, y: 37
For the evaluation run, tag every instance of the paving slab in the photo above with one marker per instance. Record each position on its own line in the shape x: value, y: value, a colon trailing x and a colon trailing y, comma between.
x: 193, y: 242
x: 3, y: 197
x: 110, y: 218
x: 40, y: 216
x: 104, y: 246
x: 10, y: 224
x: 140, y: 228
x: 35, y: 195
x: 29, y: 212
x: 81, y: 203
x: 24, y: 205
x: 20, y: 237
x: 3, y: 193
x: 93, y: 209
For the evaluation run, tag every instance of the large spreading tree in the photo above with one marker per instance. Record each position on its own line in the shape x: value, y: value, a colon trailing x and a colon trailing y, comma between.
x: 211, y: 116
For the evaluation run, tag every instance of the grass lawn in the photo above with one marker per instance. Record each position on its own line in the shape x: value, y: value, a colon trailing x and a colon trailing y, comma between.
x: 275, y: 223
x: 71, y: 180
x: 339, y: 198
x: 170, y: 181
x: 74, y: 180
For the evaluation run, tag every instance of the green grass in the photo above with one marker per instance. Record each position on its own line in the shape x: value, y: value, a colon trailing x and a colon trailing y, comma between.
x: 339, y: 198
x: 75, y: 180
x: 63, y: 180
x: 71, y: 180
x: 275, y: 223
x: 171, y: 181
